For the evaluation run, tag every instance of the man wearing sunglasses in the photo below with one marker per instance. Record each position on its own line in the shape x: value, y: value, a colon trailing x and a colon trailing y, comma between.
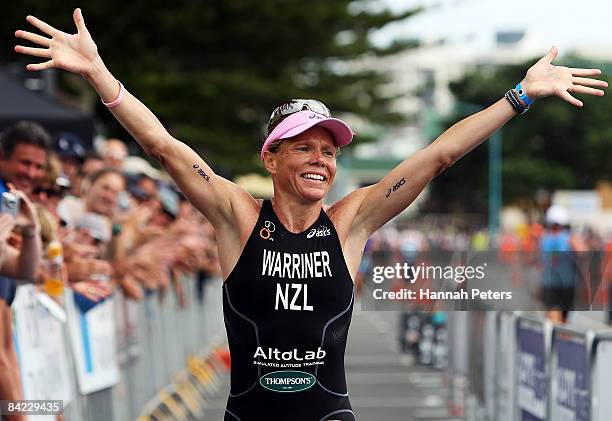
x: 288, y: 263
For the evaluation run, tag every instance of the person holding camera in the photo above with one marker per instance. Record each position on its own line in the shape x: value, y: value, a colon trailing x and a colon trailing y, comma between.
x: 23, y: 155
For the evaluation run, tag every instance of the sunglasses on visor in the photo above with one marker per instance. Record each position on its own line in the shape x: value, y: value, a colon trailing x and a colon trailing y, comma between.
x: 294, y: 106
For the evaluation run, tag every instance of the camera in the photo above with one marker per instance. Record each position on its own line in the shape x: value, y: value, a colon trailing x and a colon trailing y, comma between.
x: 9, y: 204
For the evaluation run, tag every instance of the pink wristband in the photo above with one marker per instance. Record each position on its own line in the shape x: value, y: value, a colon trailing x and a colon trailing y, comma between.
x: 117, y: 100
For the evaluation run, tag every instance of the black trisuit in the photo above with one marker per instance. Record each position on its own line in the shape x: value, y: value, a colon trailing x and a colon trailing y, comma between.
x: 287, y: 307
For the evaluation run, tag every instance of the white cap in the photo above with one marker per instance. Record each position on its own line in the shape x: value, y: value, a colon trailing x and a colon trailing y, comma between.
x: 557, y: 215
x: 98, y: 226
x: 138, y: 165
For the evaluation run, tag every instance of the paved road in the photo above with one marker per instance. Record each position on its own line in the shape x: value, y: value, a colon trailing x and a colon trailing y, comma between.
x: 384, y: 385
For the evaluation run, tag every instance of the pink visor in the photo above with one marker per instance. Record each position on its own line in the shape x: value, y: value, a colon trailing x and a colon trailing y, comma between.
x: 301, y: 121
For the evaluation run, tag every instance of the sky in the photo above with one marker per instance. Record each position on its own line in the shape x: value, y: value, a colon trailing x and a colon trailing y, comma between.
x: 564, y: 23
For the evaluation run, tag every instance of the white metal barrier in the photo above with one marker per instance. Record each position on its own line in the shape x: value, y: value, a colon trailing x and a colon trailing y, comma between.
x: 601, y: 380
x: 524, y: 368
x: 110, y: 362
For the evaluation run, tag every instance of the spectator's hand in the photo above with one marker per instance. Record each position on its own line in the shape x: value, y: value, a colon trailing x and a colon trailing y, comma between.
x: 179, y: 290
x: 148, y: 270
x: 162, y: 250
x: 76, y: 53
x: 545, y: 79
x: 138, y: 216
x: 188, y: 253
x: 135, y: 230
x: 183, y: 226
x: 147, y: 234
x: 130, y: 287
x: 75, y: 245
x: 82, y: 269
x: 27, y: 212
x: 93, y: 290
x: 7, y: 223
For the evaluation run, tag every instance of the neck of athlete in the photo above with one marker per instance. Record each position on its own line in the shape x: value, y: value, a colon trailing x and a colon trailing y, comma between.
x: 296, y: 216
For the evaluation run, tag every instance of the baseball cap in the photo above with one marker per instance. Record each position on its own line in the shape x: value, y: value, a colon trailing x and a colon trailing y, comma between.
x: 97, y: 225
x: 299, y: 115
x: 69, y: 145
x: 169, y: 201
x: 138, y: 165
x: 557, y: 215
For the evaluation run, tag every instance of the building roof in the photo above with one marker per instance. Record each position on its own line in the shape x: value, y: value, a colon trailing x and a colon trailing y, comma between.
x: 18, y: 103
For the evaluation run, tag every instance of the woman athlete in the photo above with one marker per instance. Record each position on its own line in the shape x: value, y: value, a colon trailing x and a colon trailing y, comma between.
x: 288, y: 263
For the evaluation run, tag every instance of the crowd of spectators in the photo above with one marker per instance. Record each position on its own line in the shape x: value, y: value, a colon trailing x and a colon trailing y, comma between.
x: 122, y: 226
x: 560, y: 265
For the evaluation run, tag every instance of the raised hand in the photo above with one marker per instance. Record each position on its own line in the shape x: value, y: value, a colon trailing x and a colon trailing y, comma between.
x: 27, y: 212
x: 545, y: 79
x: 93, y: 290
x: 81, y: 269
x: 73, y: 52
x: 7, y: 223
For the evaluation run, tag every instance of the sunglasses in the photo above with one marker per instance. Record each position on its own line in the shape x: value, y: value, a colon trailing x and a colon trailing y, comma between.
x: 51, y: 192
x: 294, y: 106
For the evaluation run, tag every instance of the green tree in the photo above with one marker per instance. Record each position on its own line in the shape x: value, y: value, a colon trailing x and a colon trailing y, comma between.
x: 213, y: 70
x: 552, y: 146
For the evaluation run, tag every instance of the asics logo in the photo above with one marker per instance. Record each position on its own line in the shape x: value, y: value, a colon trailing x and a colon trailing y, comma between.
x: 321, y: 231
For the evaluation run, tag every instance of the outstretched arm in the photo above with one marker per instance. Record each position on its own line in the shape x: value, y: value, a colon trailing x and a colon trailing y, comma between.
x: 379, y: 203
x: 78, y: 53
